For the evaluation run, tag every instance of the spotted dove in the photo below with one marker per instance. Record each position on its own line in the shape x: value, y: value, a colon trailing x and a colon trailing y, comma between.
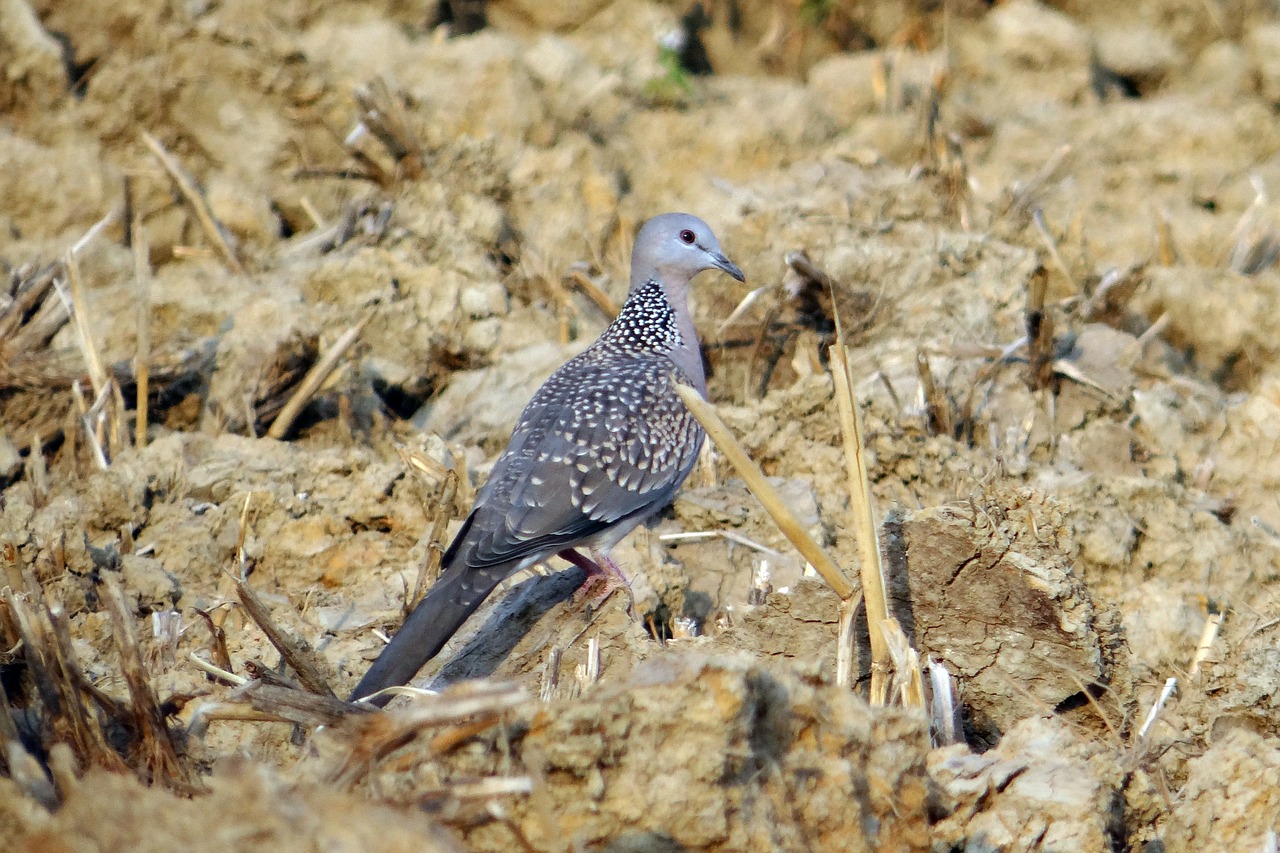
x: 604, y: 444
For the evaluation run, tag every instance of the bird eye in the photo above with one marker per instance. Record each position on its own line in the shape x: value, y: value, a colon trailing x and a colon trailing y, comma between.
x: 688, y: 236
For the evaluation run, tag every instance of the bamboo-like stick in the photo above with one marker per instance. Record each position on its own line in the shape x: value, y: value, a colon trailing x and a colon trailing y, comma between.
x: 909, y: 679
x: 88, y: 347
x: 764, y: 492
x: 873, y: 592
x: 224, y: 675
x: 1170, y: 685
x: 1207, y: 638
x: 142, y: 353
x: 579, y: 279
x: 315, y: 378
x: 845, y: 640
x: 429, y: 572
x: 1051, y: 246
x: 191, y: 191
x: 943, y: 709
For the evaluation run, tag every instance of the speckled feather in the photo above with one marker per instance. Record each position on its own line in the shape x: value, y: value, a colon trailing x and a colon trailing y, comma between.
x: 605, y: 438
x: 603, y: 444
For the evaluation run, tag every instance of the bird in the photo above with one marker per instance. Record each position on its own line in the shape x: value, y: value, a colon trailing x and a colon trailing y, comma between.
x: 603, y: 444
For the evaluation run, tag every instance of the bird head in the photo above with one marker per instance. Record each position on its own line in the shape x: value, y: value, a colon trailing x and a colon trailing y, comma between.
x: 673, y: 248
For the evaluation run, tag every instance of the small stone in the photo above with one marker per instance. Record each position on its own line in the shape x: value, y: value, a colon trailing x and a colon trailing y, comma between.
x: 1036, y: 37
x: 1221, y: 69
x: 147, y: 579
x: 1231, y: 797
x: 10, y: 459
x: 1263, y: 44
x: 1143, y: 53
x: 482, y: 300
x: 1041, y: 788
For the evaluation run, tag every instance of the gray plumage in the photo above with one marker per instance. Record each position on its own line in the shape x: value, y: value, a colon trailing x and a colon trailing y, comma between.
x: 603, y: 444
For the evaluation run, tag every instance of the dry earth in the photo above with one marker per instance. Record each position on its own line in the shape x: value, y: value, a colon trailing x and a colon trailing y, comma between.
x: 1071, y: 525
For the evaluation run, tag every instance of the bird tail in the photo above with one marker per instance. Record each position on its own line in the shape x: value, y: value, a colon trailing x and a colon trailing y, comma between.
x: 437, y: 617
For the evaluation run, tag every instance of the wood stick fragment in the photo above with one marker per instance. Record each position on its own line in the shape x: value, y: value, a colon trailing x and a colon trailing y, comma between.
x: 94, y: 230
x: 108, y: 408
x: 1051, y: 246
x: 1166, y: 252
x: 383, y: 117
x: 943, y: 708
x: 82, y: 407
x: 89, y: 740
x: 801, y: 262
x: 35, y: 333
x: 1207, y: 637
x: 242, y: 536
x: 223, y: 675
x: 845, y: 640
x: 741, y: 309
x: 316, y: 377
x: 493, y: 786
x: 378, y: 734
x: 96, y: 416
x: 296, y: 706
x: 1114, y: 290
x: 12, y: 575
x: 116, y: 435
x: 84, y: 334
x: 1024, y: 194
x: 34, y: 649
x: 218, y: 646
x: 863, y: 518
x: 937, y: 411
x: 430, y: 570
x: 207, y: 712
x: 450, y: 738
x: 317, y: 221
x: 906, y: 666
x: 1170, y: 685
x: 30, y: 293
x: 142, y: 352
x: 154, y: 734
x: 296, y: 651
x: 890, y: 649
x: 577, y: 277
x: 194, y: 197
x: 1039, y: 331
x: 86, y: 421
x: 589, y: 670
x: 551, y: 674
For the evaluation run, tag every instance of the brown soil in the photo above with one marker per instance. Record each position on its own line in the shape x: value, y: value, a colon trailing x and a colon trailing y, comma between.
x: 1067, y: 520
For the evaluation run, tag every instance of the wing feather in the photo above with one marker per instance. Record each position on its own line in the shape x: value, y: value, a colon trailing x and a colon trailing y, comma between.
x: 598, y: 444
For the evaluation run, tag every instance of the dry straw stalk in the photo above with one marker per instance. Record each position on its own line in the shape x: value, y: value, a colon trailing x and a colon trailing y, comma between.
x: 764, y: 492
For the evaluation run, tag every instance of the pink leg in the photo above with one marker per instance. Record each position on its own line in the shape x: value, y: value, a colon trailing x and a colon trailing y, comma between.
x: 601, y: 572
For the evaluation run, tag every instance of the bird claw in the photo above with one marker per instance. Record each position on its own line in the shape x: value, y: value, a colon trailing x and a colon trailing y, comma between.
x: 603, y: 587
x: 604, y: 575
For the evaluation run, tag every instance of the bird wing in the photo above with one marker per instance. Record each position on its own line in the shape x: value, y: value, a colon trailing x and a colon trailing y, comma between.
x: 599, y: 443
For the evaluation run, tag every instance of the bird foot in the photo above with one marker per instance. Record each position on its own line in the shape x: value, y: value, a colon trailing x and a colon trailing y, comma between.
x: 603, y: 576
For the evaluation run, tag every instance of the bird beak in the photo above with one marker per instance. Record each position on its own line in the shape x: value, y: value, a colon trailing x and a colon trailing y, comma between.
x: 720, y: 262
